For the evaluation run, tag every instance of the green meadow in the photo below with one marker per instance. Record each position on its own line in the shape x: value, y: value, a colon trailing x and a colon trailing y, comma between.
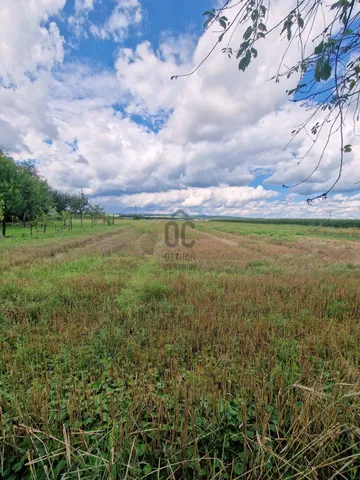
x: 240, y: 362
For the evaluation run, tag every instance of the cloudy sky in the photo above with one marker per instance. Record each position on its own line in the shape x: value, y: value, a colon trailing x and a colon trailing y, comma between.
x: 85, y: 91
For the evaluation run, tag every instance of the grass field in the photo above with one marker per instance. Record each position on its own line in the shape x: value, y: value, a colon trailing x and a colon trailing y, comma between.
x: 238, y: 358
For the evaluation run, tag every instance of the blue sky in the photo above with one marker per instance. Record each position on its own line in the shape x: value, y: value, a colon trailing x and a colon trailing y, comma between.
x: 161, y: 17
x: 85, y: 91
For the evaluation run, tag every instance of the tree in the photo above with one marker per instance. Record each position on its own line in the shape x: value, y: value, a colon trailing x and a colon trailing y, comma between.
x: 96, y: 212
x: 66, y: 218
x: 44, y: 219
x: 328, y: 74
x: 1, y: 215
x: 26, y: 196
x: 23, y: 193
x: 35, y: 193
x: 10, y: 190
x: 61, y: 200
x: 80, y: 204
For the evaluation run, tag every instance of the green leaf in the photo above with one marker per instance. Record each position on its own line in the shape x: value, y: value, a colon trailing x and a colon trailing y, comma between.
x: 263, y: 10
x: 254, y: 52
x: 318, y: 68
x: 285, y: 26
x: 300, y: 22
x: 322, y: 69
x: 254, y: 15
x: 242, y: 49
x: 239, y: 468
x: 242, y: 65
x: 319, y: 48
x: 223, y: 23
x: 244, y: 62
x: 221, y: 36
x: 19, y: 465
x: 347, y: 149
x: 147, y: 469
x: 262, y: 27
x: 248, y: 33
x: 210, y: 15
x: 338, y: 4
x: 326, y: 70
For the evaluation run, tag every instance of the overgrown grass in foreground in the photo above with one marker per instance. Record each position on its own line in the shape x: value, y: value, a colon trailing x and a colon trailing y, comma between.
x: 244, y: 367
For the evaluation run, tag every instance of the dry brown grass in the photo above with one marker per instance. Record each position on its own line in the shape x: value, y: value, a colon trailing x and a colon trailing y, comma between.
x: 246, y: 366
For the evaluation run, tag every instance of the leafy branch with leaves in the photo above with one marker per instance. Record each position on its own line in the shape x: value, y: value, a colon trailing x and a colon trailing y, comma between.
x: 328, y: 73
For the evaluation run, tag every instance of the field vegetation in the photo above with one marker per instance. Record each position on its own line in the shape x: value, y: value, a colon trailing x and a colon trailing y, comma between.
x: 315, y: 222
x: 241, y: 363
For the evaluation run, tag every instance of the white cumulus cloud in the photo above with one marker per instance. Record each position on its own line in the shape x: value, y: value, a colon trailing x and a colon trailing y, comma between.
x: 130, y: 136
x: 126, y: 13
x: 27, y: 42
x: 84, y: 5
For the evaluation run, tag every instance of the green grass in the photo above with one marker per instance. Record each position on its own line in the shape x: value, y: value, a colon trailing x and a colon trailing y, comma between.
x: 280, y: 232
x: 18, y: 235
x: 114, y: 367
x: 316, y: 222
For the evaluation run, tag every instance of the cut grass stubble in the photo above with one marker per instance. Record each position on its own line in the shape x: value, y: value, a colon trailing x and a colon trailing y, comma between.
x: 244, y: 367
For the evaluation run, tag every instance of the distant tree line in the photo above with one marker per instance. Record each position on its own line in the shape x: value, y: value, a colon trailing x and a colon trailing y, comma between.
x: 26, y: 197
x: 314, y: 222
